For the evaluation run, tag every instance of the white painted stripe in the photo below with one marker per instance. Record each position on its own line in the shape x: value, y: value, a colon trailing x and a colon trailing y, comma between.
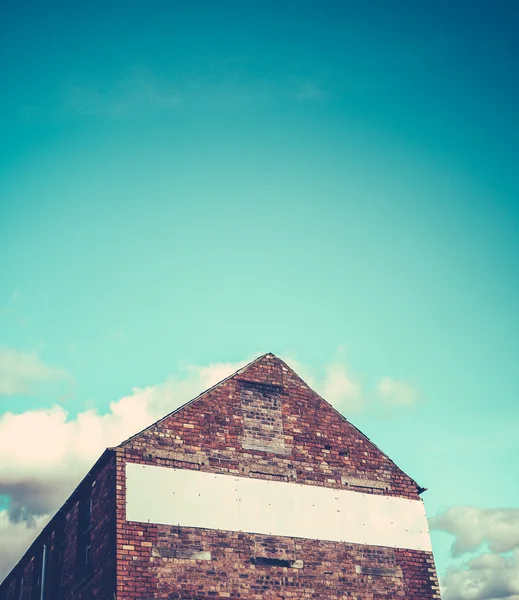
x: 197, y: 499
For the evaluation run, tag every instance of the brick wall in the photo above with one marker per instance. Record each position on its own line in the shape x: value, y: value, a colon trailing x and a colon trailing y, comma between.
x: 62, y: 581
x: 264, y: 423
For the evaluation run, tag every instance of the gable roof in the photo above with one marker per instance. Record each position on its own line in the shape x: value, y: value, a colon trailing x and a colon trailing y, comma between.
x: 267, y: 370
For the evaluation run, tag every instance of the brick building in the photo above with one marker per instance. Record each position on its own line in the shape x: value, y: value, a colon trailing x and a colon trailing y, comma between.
x: 257, y: 488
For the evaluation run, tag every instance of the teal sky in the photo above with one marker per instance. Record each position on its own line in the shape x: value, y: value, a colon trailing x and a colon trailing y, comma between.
x: 202, y: 182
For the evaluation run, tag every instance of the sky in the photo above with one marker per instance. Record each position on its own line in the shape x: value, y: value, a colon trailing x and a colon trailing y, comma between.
x: 185, y: 186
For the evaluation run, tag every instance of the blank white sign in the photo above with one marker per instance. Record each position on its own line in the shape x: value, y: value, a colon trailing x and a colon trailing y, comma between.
x: 197, y: 499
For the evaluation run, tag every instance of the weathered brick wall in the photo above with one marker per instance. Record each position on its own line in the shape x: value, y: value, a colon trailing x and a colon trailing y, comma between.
x: 419, y: 572
x: 99, y: 582
x: 60, y: 537
x: 8, y: 590
x: 69, y: 550
x: 241, y: 565
x: 23, y: 569
x: 265, y: 423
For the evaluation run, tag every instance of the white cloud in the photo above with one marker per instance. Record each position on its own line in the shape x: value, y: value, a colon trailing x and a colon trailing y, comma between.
x: 25, y: 451
x: 341, y: 389
x: 345, y: 391
x: 337, y: 385
x: 486, y: 577
x: 397, y: 393
x: 472, y: 527
x: 15, y: 538
x: 491, y: 575
x: 20, y: 370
